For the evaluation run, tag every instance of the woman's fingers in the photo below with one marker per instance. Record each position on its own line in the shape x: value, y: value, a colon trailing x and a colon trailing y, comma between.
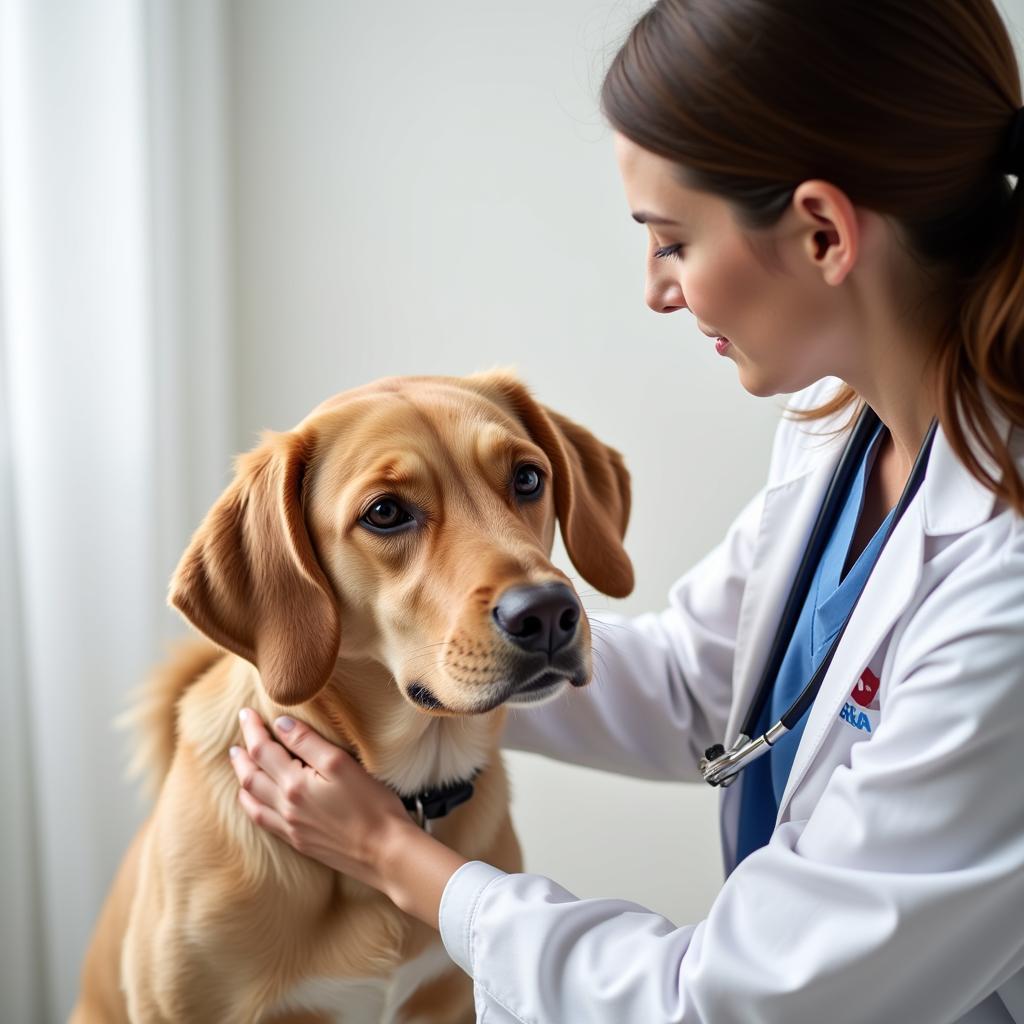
x: 321, y: 755
x: 258, y: 795
x: 264, y: 816
x: 263, y: 749
x: 321, y: 801
x: 254, y: 781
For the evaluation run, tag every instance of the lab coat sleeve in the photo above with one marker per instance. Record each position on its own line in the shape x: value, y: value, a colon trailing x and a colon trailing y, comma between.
x: 662, y: 681
x: 899, y: 899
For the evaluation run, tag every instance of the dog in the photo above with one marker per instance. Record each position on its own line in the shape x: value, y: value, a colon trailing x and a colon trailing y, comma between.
x: 383, y: 572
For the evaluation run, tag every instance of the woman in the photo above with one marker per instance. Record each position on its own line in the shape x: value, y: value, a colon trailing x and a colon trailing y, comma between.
x: 824, y: 187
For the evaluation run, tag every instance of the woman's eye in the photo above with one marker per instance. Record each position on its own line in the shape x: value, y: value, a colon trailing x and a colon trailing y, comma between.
x: 386, y: 514
x: 528, y: 481
x: 667, y: 250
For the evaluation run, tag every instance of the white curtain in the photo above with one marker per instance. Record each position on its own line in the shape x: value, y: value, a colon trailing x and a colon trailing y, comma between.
x: 115, y: 429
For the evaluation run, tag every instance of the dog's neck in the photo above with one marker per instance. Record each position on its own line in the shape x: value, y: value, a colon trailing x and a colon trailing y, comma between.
x: 362, y: 710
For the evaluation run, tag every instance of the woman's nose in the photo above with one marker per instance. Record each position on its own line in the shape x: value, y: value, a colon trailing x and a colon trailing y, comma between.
x: 663, y: 294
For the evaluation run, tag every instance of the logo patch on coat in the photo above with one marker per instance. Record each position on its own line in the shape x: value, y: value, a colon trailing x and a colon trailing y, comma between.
x: 864, y: 695
x: 865, y: 690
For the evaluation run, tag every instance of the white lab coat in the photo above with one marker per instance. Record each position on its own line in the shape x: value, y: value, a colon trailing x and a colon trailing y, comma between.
x: 892, y: 891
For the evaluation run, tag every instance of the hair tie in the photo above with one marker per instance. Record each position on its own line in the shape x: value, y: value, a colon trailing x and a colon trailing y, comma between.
x: 1013, y: 150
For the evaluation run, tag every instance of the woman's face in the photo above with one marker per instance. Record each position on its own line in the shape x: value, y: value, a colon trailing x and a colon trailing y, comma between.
x: 777, y: 307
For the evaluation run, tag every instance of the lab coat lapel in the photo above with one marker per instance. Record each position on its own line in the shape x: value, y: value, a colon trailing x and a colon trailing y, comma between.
x: 950, y: 501
x: 886, y: 595
x: 790, y: 510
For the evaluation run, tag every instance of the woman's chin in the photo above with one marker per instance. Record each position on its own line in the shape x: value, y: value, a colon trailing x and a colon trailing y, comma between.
x: 753, y: 382
x: 760, y: 384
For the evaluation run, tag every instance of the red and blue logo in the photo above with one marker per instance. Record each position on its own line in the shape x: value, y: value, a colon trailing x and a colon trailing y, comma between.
x: 864, y: 695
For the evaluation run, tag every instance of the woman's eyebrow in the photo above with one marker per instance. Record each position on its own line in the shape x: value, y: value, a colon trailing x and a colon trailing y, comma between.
x: 643, y: 217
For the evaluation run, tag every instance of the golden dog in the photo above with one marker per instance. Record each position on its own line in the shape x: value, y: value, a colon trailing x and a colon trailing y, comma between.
x: 383, y: 572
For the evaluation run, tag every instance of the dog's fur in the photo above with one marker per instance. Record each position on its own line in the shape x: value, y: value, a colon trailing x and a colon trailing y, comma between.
x: 212, y: 919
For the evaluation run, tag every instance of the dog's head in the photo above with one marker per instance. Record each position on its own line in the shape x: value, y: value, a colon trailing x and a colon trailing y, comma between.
x: 415, y: 515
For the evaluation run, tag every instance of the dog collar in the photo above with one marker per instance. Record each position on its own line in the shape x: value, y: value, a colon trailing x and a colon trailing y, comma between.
x: 428, y: 804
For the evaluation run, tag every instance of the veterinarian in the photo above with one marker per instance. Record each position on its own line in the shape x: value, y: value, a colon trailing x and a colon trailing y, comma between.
x: 829, y: 190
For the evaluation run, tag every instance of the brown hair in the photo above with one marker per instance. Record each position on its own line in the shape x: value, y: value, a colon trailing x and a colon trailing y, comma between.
x: 906, y: 106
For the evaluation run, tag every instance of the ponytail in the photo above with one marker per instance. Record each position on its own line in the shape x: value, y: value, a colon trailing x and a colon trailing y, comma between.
x: 984, y: 358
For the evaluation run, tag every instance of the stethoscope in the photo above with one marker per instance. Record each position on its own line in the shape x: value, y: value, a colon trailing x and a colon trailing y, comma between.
x: 719, y: 766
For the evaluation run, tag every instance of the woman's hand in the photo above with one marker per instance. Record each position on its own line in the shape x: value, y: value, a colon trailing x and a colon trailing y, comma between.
x: 320, y: 801
x: 327, y: 806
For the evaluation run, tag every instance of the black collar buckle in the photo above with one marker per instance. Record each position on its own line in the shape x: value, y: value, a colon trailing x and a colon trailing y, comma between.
x: 436, y: 803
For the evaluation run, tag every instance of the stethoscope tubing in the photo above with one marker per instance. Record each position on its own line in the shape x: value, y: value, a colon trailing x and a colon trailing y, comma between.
x: 720, y: 767
x: 842, y: 477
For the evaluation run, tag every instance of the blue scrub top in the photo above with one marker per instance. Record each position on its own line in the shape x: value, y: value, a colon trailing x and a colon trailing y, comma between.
x: 828, y: 602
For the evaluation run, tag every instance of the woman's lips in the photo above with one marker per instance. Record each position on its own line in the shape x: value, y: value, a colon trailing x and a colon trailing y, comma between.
x: 721, y: 342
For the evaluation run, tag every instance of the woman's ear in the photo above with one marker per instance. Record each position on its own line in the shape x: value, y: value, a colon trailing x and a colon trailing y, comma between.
x: 591, y: 484
x: 832, y: 228
x: 250, y: 579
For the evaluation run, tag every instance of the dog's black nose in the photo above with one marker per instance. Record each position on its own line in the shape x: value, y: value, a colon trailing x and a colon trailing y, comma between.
x: 540, y: 618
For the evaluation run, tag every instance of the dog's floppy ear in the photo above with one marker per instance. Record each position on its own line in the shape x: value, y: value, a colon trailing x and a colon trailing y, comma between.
x: 591, y: 484
x: 250, y: 579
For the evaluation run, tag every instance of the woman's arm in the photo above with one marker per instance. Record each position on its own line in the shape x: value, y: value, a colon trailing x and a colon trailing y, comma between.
x: 662, y: 682
x: 662, y: 685
x: 900, y: 897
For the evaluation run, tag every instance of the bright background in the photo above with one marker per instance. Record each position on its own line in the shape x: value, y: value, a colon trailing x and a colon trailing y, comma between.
x: 215, y: 214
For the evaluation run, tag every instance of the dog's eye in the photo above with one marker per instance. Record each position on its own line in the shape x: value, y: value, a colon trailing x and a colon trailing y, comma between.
x: 386, y: 514
x: 528, y: 481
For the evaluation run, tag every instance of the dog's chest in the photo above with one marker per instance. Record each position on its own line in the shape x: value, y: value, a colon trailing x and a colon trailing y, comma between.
x: 366, y: 1000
